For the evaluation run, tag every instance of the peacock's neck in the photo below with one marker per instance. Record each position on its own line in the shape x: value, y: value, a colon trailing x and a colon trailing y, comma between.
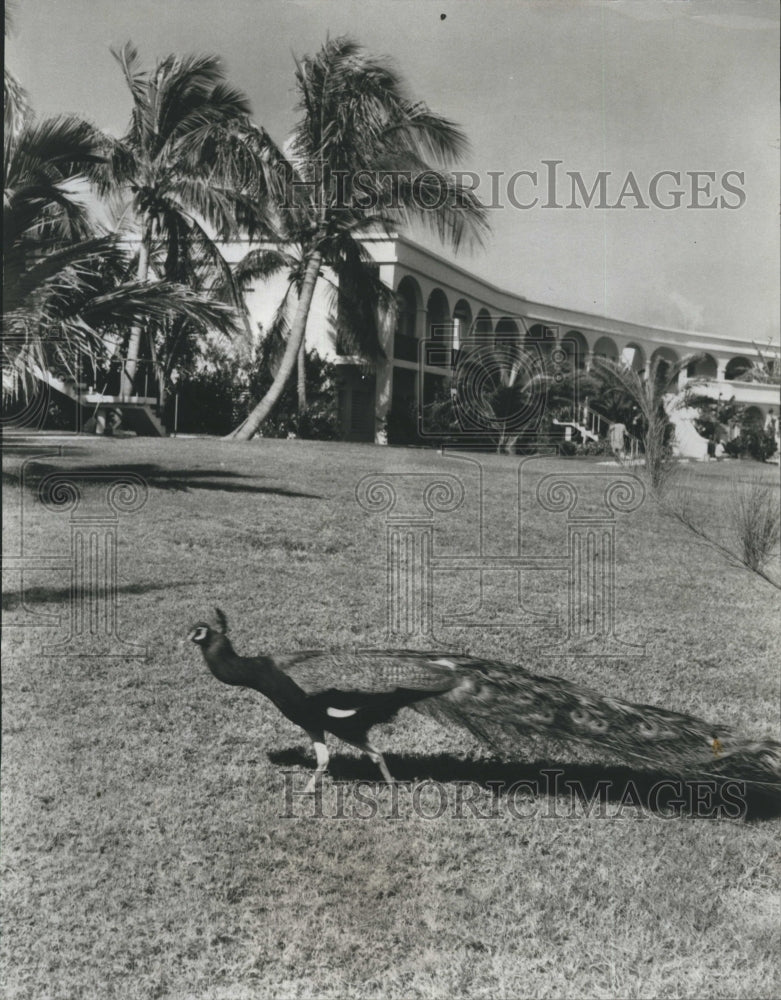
x: 259, y: 673
x: 224, y: 663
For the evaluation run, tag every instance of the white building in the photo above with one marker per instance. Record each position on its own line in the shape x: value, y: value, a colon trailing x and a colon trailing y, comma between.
x: 438, y: 300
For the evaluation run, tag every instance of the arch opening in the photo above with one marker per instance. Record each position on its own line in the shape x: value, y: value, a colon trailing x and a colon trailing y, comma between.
x: 462, y: 323
x: 662, y: 362
x: 737, y: 368
x: 408, y: 300
x: 438, y: 322
x: 605, y: 347
x: 704, y: 367
x: 633, y: 356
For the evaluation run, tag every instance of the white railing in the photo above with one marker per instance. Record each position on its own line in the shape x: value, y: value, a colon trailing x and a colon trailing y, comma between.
x: 587, y: 422
x: 591, y: 425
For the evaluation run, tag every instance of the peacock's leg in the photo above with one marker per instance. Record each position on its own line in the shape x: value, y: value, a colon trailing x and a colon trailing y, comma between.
x: 321, y: 752
x: 379, y: 760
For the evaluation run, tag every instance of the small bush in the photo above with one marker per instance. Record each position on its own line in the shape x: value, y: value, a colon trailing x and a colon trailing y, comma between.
x: 594, y: 448
x: 754, y: 514
x: 320, y: 420
x: 208, y: 403
x: 216, y: 399
x: 754, y: 442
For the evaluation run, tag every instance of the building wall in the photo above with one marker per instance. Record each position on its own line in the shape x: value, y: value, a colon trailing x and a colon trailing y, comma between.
x: 445, y: 301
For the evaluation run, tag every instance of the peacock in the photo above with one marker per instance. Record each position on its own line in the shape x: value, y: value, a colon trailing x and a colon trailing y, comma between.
x: 494, y: 701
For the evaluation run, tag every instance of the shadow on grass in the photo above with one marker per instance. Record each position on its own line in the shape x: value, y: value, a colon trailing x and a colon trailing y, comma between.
x: 14, y: 600
x: 574, y: 785
x: 46, y: 447
x: 179, y: 480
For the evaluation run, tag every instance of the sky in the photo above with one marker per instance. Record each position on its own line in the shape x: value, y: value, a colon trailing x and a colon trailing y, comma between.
x: 630, y: 87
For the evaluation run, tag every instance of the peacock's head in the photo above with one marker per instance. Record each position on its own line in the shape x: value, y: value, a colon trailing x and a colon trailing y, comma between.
x: 201, y: 633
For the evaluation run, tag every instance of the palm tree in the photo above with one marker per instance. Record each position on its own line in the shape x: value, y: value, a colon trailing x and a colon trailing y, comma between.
x: 15, y: 104
x: 628, y: 389
x: 504, y: 391
x: 361, y: 301
x: 195, y: 167
x: 366, y: 159
x: 49, y: 242
x: 66, y: 281
x: 44, y: 210
x: 506, y: 387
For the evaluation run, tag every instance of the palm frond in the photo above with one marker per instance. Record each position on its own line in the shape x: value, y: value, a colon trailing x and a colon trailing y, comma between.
x: 361, y: 301
x: 428, y: 134
x: 129, y: 60
x: 261, y: 264
x: 16, y: 106
x: 368, y: 150
x: 272, y: 347
x: 211, y: 201
x: 136, y: 302
x: 83, y: 256
x: 51, y: 151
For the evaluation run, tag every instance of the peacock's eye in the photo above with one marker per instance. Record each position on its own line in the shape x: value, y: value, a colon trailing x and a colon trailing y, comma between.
x: 198, y: 634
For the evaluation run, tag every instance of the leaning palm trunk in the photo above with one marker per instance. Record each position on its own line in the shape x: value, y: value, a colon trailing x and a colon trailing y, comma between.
x: 358, y: 120
x: 302, y: 378
x: 294, y: 344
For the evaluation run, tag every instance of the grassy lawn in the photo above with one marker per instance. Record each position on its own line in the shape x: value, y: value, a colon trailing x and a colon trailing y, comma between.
x: 149, y: 850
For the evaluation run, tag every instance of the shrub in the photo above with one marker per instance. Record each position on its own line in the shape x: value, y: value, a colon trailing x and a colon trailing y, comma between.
x: 216, y: 399
x: 601, y: 447
x: 754, y: 442
x: 321, y: 418
x: 755, y: 517
x: 209, y: 403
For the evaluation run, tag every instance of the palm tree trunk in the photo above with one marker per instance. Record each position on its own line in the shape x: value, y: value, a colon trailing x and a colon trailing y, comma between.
x: 134, y: 346
x: 294, y: 344
x: 302, y: 378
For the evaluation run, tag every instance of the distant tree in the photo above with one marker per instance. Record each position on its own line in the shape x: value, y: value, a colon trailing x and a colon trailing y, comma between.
x: 648, y: 396
x: 713, y: 415
x: 765, y: 368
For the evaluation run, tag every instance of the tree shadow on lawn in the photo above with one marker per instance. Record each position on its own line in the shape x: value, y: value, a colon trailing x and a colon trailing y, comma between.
x: 46, y: 447
x: 579, y: 789
x: 14, y: 600
x: 179, y: 480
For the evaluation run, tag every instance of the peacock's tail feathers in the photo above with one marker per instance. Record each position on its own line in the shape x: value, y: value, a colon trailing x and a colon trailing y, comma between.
x: 502, y: 703
x: 499, y: 703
